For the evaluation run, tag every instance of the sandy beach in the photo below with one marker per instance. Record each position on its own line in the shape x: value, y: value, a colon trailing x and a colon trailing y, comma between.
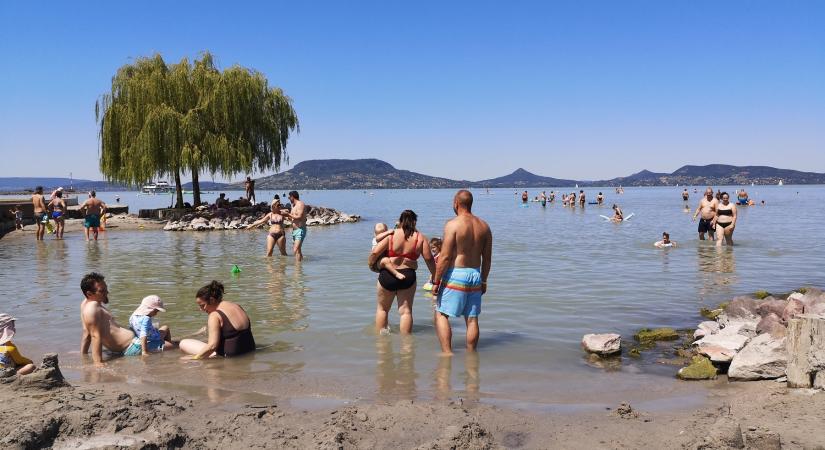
x: 88, y: 415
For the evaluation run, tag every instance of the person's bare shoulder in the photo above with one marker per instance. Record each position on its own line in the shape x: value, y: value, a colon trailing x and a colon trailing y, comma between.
x: 89, y: 312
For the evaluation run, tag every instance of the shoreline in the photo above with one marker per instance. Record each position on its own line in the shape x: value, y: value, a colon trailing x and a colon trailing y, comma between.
x: 758, y: 414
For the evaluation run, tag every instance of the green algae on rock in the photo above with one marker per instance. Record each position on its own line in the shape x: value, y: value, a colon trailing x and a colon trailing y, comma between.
x: 649, y: 336
x: 700, y: 368
x: 762, y: 294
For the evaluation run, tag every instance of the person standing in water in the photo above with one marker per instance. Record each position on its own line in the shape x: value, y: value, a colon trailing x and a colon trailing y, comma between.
x: 463, y: 267
x: 275, y: 237
x: 685, y: 195
x: 524, y: 198
x: 707, y: 208
x: 298, y: 215
x: 618, y: 215
x: 543, y: 199
x: 552, y: 196
x: 725, y: 220
x: 93, y: 209
x: 41, y: 212
x: 249, y: 185
x: 58, y: 208
x: 582, y: 201
x: 600, y: 199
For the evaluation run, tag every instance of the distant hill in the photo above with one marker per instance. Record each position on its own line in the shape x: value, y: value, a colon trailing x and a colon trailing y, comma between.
x: 351, y: 174
x: 718, y: 175
x: 207, y: 186
x: 20, y: 184
x: 522, y: 178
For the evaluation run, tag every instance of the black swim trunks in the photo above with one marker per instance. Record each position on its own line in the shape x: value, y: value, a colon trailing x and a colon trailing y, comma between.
x: 390, y: 283
x: 706, y: 227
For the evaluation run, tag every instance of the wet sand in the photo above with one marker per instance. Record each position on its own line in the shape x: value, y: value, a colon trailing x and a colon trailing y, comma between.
x: 120, y: 222
x: 95, y: 415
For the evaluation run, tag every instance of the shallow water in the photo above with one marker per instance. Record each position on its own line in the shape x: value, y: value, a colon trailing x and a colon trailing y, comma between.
x: 557, y: 274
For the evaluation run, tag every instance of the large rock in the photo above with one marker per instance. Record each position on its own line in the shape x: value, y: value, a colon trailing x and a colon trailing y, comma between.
x: 602, y: 344
x: 731, y: 342
x: 706, y: 328
x: 700, y: 368
x: 763, y: 358
x: 771, y: 305
x: 792, y: 309
x: 742, y: 308
x: 649, y: 336
x: 716, y: 353
x: 771, y: 324
x: 745, y: 327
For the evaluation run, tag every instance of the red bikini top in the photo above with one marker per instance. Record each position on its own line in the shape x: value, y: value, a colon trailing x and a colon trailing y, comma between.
x: 411, y: 256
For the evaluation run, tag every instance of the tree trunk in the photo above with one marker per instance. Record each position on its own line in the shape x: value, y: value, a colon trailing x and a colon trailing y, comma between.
x: 196, y: 188
x: 178, y: 190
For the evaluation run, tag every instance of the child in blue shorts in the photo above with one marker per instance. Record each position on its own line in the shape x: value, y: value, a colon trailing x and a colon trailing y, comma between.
x: 148, y: 338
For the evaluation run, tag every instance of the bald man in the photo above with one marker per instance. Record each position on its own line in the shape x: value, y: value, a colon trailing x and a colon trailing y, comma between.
x: 461, y: 272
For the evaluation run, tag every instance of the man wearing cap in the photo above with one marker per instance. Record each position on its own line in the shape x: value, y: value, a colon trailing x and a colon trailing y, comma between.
x: 10, y: 357
x: 99, y: 327
x: 149, y: 339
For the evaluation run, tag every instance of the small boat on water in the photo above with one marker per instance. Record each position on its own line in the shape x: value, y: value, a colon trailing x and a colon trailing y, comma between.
x: 780, y: 183
x: 159, y: 187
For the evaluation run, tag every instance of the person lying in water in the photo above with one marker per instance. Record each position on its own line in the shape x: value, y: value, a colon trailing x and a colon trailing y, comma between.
x: 665, y: 242
x: 384, y: 262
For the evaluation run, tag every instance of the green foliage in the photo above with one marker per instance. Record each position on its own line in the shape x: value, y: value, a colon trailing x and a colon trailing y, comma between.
x: 761, y: 295
x: 161, y: 120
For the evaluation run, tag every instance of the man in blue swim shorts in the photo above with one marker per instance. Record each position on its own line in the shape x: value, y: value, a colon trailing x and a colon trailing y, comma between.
x: 92, y: 209
x: 461, y: 273
x: 298, y: 214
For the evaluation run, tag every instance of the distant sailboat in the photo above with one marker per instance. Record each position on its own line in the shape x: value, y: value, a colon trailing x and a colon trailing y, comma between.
x: 780, y: 183
x: 577, y: 186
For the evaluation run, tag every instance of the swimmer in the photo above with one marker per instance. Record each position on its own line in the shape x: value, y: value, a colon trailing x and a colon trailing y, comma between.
x: 276, y: 235
x: 385, y: 262
x: 581, y: 199
x: 618, y: 215
x: 665, y: 242
x: 725, y: 221
x: 742, y: 198
x: 543, y: 198
x: 524, y: 197
x: 600, y: 199
x: 685, y: 195
x: 564, y: 199
x: 707, y: 207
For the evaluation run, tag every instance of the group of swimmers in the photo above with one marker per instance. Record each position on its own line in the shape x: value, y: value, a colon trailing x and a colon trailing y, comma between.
x: 55, y: 209
x: 566, y: 199
x: 276, y: 236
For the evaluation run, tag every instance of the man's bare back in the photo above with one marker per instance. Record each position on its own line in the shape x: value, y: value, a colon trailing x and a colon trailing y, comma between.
x: 38, y: 203
x: 93, y: 206
x: 470, y: 239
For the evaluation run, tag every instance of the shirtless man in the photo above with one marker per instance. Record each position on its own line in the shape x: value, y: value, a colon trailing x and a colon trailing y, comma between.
x: 582, y: 200
x: 463, y: 267
x: 600, y: 199
x: 685, y: 195
x: 250, y: 189
x: 93, y: 209
x: 41, y: 212
x: 99, y: 327
x: 298, y: 214
x: 707, y: 207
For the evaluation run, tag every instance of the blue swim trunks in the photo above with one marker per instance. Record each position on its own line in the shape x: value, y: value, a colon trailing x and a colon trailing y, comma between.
x: 460, y: 293
x: 92, y: 221
x: 134, y: 348
x: 299, y: 234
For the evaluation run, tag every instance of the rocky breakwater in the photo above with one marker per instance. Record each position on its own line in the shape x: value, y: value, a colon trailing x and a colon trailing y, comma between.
x: 204, y: 219
x: 749, y: 337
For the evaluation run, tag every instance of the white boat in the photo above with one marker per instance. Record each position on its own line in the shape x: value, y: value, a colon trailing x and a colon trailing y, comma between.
x: 158, y: 187
x: 780, y: 183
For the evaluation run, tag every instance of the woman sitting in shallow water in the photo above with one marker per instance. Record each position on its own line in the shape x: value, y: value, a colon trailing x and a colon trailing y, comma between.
x: 228, y: 326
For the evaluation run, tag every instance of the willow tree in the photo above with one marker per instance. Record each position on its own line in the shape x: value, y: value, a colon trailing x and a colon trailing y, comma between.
x: 168, y: 120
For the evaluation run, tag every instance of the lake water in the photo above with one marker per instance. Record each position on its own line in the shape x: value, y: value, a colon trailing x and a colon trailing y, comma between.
x: 558, y: 273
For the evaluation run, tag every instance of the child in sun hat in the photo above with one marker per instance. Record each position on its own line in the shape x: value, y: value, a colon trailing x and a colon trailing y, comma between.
x: 10, y: 357
x: 148, y: 338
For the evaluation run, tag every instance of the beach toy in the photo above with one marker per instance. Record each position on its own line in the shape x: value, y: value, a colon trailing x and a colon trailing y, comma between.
x: 49, y: 227
x: 103, y: 223
x: 235, y: 269
x: 428, y: 286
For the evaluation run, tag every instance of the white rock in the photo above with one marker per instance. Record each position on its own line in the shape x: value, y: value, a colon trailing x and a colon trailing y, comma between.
x: 732, y: 342
x: 796, y: 296
x: 706, y: 328
x: 763, y: 358
x: 717, y: 353
x: 602, y: 344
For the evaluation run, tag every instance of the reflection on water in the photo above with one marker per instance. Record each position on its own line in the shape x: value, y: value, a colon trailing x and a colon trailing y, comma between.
x: 557, y: 274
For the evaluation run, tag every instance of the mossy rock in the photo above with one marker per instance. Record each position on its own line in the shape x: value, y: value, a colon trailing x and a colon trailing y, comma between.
x: 724, y: 305
x: 710, y: 314
x: 648, y: 336
x: 761, y: 295
x: 802, y: 290
x: 635, y: 352
x: 700, y: 368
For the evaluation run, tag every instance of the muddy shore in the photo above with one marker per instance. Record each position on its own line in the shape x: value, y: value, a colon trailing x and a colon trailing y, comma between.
x: 761, y: 415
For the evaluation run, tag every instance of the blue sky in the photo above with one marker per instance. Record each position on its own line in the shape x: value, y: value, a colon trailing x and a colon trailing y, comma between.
x: 472, y: 90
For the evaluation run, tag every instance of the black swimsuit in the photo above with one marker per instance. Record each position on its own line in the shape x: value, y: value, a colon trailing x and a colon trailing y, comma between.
x: 234, y: 342
x: 724, y: 212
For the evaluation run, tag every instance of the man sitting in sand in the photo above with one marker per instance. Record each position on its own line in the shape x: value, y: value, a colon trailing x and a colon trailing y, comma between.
x: 99, y: 327
x: 93, y: 209
x: 463, y: 266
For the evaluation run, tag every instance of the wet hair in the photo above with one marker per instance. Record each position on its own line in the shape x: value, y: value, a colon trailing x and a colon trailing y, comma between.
x: 408, y: 220
x: 665, y: 234
x: 88, y: 285
x: 212, y: 293
x: 59, y: 194
x: 294, y: 194
x: 92, y: 193
x: 277, y: 197
x: 464, y: 198
x: 724, y: 194
x: 38, y: 190
x: 436, y: 242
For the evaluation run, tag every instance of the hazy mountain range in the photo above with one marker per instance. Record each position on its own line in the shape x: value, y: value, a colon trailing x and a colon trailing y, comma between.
x: 377, y: 174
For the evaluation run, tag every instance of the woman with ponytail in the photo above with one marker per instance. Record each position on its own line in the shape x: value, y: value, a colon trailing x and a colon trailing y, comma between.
x: 228, y: 327
x: 403, y: 247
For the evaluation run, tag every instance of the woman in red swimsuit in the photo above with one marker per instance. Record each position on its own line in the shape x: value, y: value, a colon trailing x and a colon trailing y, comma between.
x: 403, y: 247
